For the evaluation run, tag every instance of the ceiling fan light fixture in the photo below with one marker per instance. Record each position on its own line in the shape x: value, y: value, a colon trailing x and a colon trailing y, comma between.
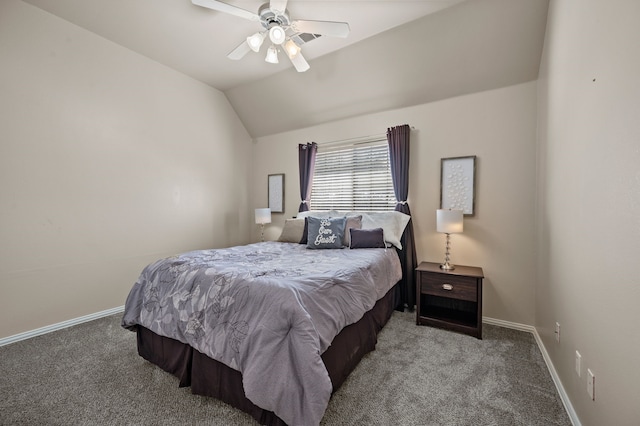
x: 255, y: 41
x: 277, y: 34
x: 283, y: 31
x: 272, y: 55
x: 291, y: 48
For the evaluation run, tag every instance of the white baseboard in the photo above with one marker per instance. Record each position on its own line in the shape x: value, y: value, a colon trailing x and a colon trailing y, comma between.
x: 573, y: 416
x: 59, y: 326
x: 509, y: 324
x: 545, y: 355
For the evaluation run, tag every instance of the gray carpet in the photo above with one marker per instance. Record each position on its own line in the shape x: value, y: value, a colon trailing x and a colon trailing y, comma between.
x: 91, y: 374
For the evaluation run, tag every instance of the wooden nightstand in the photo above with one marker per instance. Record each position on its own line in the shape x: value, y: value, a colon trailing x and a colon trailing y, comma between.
x: 450, y: 299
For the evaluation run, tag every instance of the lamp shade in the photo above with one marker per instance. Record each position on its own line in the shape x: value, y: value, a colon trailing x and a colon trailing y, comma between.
x: 272, y: 55
x: 449, y: 221
x: 263, y: 216
x: 277, y: 34
x: 255, y: 41
x: 291, y: 48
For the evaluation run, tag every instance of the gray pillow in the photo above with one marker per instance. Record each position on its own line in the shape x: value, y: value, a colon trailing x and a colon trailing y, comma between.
x: 367, y: 238
x: 292, y: 231
x: 325, y: 233
x: 352, y: 222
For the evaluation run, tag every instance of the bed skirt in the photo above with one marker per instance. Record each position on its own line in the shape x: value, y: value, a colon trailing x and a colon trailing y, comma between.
x: 209, y: 377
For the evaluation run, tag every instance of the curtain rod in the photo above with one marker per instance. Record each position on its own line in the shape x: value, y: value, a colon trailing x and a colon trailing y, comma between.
x: 370, y: 138
x: 381, y: 136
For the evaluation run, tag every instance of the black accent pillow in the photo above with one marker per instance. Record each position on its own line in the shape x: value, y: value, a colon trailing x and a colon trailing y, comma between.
x: 367, y: 238
x: 305, y: 231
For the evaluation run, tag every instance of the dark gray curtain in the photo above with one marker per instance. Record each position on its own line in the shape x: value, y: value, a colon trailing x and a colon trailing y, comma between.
x: 306, y: 162
x: 398, y: 138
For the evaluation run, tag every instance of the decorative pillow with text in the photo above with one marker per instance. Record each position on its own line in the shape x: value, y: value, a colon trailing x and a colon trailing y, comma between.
x: 325, y: 233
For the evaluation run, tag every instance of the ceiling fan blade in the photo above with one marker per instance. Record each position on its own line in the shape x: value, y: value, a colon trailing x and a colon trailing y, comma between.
x: 278, y: 6
x: 240, y: 51
x: 227, y: 8
x: 326, y: 28
x: 299, y: 62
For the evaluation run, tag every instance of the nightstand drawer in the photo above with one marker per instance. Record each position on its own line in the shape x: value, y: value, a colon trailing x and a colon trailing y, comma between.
x: 453, y: 287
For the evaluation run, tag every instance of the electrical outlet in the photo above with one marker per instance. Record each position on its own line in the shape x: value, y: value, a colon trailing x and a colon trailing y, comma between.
x: 591, y: 384
x: 578, y: 364
x: 558, y: 332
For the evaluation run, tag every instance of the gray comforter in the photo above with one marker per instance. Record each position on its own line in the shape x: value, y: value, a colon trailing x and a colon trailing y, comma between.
x: 268, y: 310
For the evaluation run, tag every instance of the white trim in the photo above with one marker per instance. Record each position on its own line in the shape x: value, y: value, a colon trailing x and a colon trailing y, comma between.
x: 59, y: 326
x: 509, y: 324
x: 575, y: 421
x: 573, y: 416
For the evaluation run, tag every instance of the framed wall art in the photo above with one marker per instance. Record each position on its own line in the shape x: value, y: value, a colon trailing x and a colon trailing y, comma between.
x: 457, y: 184
x: 275, y: 192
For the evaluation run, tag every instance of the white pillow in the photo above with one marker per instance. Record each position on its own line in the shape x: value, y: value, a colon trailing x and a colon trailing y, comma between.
x: 392, y: 224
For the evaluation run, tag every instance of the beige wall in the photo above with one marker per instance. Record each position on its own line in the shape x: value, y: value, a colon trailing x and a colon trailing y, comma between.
x: 108, y: 160
x: 499, y: 127
x: 589, y: 203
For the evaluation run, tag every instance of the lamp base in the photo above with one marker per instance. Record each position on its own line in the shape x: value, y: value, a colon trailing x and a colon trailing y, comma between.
x: 447, y: 266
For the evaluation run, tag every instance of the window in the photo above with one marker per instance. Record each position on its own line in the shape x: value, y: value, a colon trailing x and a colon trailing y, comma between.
x: 353, y: 177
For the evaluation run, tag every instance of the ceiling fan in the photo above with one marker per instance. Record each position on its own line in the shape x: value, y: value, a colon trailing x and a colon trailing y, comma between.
x: 281, y: 31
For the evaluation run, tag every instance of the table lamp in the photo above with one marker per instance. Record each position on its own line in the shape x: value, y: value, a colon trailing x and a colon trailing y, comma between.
x: 448, y: 222
x: 263, y: 216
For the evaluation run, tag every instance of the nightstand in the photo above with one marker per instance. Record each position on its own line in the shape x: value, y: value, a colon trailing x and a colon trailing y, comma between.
x: 450, y: 299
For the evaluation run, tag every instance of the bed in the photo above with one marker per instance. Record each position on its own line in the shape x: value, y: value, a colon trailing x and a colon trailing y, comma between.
x: 271, y: 328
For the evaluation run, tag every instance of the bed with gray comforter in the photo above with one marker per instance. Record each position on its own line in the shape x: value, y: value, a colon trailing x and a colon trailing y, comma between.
x: 268, y: 310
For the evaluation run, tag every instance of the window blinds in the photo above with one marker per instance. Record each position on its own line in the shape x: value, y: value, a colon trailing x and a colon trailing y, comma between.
x: 353, y: 177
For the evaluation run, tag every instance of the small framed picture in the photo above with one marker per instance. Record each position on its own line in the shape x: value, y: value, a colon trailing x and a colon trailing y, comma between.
x: 457, y: 184
x: 275, y: 192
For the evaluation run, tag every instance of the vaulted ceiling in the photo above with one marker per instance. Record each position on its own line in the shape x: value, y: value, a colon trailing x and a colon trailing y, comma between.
x: 398, y: 53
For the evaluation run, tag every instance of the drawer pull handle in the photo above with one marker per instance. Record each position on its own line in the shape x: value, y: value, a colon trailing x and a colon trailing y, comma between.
x: 447, y: 287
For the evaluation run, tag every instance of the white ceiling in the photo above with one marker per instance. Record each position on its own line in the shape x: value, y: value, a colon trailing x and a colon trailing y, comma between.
x: 446, y: 48
x: 195, y: 40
